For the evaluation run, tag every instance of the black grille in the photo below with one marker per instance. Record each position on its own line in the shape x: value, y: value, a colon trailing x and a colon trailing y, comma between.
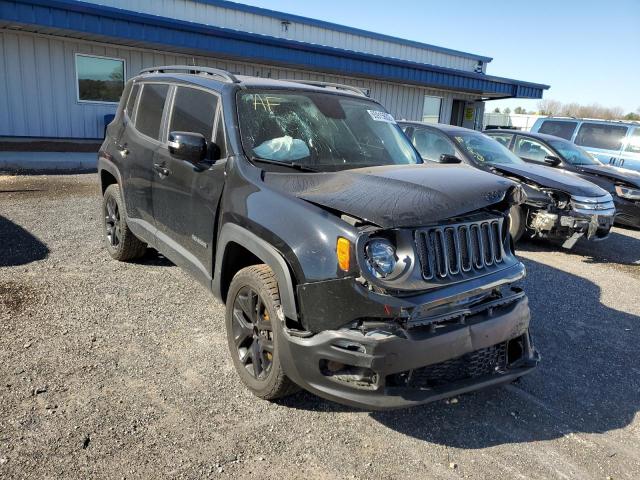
x: 482, y: 362
x: 451, y: 250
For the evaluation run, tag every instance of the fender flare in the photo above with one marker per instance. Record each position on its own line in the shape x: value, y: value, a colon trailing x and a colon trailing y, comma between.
x: 231, y: 232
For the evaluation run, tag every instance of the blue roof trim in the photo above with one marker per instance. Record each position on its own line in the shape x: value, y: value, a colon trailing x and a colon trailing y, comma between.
x: 153, y: 30
x: 337, y: 27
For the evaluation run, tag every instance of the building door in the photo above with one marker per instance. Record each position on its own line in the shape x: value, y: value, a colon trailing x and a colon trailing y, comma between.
x: 457, y: 113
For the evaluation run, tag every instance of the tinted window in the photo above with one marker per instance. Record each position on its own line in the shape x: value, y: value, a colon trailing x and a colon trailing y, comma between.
x: 149, y: 116
x: 432, y: 144
x: 193, y: 111
x: 600, y: 135
x: 99, y: 79
x: 558, y: 128
x: 531, y: 149
x: 503, y: 138
x: 431, y: 109
x: 634, y: 142
x: 132, y: 100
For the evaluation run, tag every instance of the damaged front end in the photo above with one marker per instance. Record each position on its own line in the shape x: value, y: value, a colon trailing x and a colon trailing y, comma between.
x: 557, y: 215
x: 441, y: 319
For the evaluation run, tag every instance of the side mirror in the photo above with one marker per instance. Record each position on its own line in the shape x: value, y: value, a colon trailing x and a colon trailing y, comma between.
x: 446, y: 158
x: 188, y: 146
x: 552, y: 160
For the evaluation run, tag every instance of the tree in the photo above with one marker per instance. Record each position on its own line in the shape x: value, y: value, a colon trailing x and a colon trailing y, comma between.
x: 507, y: 111
x: 632, y: 116
x: 549, y: 107
x: 520, y: 111
x: 497, y: 110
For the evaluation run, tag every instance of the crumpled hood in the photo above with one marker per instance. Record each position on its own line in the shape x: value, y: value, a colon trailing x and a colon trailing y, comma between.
x: 614, y: 173
x: 550, y: 177
x: 398, y: 195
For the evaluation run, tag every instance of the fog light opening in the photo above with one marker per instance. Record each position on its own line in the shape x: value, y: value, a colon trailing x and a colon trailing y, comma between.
x: 357, y: 377
x: 515, y: 350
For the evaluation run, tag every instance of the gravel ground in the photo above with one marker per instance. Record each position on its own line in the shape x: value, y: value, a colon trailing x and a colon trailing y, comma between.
x: 122, y: 370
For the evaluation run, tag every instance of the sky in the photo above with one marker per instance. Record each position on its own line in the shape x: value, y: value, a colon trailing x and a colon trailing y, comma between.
x: 587, y: 50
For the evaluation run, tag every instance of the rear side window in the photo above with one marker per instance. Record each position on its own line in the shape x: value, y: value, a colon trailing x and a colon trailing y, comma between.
x: 634, y: 142
x: 503, y: 138
x: 193, y: 111
x: 431, y: 144
x: 131, y: 102
x: 558, y: 128
x: 149, y: 116
x: 599, y: 135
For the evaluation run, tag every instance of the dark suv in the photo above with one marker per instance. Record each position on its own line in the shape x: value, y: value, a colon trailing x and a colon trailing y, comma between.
x: 347, y: 266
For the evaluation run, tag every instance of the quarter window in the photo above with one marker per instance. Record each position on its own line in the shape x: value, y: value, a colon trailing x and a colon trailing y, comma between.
x: 193, y: 111
x: 99, y: 79
x: 600, y: 135
x: 131, y: 102
x: 150, y: 108
x: 531, y: 149
x: 431, y: 109
x: 558, y: 128
x: 431, y: 144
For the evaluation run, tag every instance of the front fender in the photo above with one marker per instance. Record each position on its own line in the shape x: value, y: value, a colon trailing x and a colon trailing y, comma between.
x: 265, y: 252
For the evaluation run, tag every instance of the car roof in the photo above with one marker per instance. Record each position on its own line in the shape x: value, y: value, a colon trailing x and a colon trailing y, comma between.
x: 451, y: 129
x: 214, y: 83
x: 627, y: 123
x: 541, y: 136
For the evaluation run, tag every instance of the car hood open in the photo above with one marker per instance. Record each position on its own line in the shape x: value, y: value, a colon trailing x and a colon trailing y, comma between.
x: 398, y: 195
x: 614, y: 173
x: 549, y: 177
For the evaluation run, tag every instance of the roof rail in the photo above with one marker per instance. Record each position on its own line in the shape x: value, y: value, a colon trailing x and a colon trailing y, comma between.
x: 193, y: 70
x: 337, y: 86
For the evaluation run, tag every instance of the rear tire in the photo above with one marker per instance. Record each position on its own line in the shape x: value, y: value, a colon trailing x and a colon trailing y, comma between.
x: 252, y: 329
x: 517, y: 223
x: 121, y: 243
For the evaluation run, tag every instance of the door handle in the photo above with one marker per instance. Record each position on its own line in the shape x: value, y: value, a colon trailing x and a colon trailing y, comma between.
x: 162, y: 171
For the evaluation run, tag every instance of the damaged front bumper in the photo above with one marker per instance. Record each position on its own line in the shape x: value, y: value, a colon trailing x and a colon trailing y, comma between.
x: 591, y: 217
x: 432, y: 354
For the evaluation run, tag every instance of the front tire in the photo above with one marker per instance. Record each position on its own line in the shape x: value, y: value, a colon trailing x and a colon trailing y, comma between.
x: 252, y: 330
x: 121, y: 243
x: 517, y: 222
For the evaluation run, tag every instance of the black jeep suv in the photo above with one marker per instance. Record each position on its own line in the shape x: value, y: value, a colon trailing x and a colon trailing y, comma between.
x: 347, y: 266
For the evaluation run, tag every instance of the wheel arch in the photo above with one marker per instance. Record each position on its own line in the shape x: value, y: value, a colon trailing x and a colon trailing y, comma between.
x: 239, y: 248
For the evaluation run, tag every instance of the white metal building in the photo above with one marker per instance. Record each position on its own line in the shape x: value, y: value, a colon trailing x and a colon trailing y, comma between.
x: 63, y: 62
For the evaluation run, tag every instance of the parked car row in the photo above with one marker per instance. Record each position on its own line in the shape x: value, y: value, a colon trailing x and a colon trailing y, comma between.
x: 612, y: 143
x: 367, y: 262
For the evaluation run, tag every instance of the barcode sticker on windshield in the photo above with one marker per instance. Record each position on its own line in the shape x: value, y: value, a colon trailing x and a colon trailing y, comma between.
x: 379, y: 116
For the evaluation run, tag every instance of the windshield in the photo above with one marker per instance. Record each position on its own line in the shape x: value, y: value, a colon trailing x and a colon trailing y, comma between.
x: 320, y: 131
x: 486, y: 150
x: 572, y: 154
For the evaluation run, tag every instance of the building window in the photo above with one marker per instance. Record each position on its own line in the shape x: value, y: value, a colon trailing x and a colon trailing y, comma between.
x: 99, y: 79
x: 431, y: 109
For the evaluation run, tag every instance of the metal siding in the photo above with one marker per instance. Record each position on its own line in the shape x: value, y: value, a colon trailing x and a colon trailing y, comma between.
x: 193, y: 11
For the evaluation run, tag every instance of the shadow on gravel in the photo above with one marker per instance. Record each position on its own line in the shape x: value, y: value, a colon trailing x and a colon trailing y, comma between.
x: 587, y: 381
x: 18, y: 246
x: 153, y: 258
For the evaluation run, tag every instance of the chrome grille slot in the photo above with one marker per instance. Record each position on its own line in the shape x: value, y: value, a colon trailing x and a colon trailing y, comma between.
x: 460, y: 249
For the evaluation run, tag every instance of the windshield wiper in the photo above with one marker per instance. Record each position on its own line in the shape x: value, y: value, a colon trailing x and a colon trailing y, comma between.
x: 297, y: 166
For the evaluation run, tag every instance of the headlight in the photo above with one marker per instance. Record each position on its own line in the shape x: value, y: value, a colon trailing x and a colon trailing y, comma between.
x: 629, y: 193
x: 380, y: 256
